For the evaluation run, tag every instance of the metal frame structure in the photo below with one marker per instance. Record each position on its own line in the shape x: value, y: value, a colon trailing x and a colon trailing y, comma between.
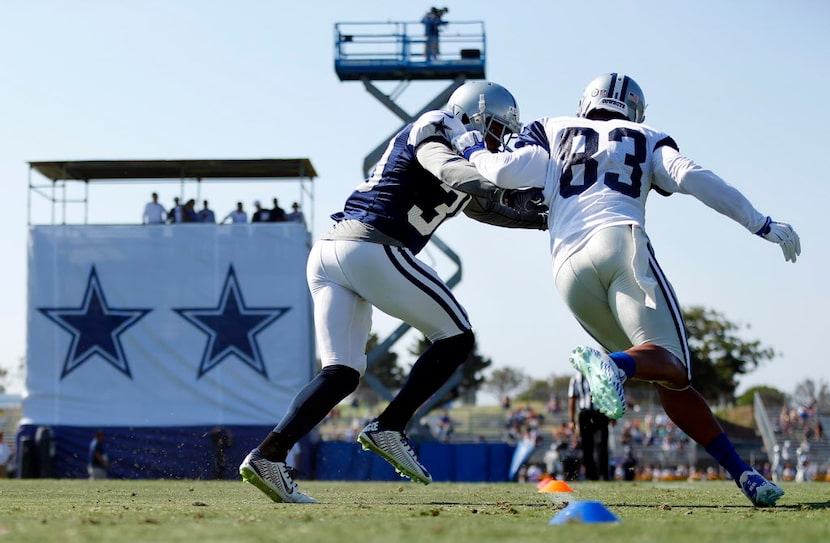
x: 368, y: 52
x: 61, y: 173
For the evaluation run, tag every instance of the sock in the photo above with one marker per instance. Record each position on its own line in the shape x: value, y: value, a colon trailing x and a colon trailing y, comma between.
x: 429, y: 373
x: 308, y: 408
x: 625, y: 362
x: 722, y: 450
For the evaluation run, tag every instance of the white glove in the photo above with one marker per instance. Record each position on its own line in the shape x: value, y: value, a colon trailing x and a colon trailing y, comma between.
x: 468, y: 143
x: 784, y: 235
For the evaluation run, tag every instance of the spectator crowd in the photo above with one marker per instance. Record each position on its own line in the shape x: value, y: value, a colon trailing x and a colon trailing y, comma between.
x: 647, y: 445
x: 790, y: 462
x: 155, y: 213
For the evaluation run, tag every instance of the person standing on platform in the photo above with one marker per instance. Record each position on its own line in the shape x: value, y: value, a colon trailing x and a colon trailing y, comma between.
x: 432, y: 30
x: 277, y: 213
x: 237, y: 216
x: 174, y: 215
x: 260, y: 214
x: 189, y: 213
x: 296, y: 215
x: 206, y: 215
x: 154, y: 212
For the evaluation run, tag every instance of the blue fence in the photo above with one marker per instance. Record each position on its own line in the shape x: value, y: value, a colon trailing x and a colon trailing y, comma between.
x: 190, y: 453
x: 472, y: 462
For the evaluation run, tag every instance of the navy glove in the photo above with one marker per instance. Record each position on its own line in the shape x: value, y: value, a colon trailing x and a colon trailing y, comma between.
x: 543, y: 220
x: 528, y: 200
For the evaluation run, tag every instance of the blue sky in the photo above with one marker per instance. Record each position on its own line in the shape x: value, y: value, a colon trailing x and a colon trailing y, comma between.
x: 741, y: 86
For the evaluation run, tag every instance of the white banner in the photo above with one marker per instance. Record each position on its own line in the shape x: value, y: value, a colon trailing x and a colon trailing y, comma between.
x: 166, y: 325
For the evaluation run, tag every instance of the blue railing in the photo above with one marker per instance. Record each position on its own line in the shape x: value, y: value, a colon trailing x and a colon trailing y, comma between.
x: 398, y: 50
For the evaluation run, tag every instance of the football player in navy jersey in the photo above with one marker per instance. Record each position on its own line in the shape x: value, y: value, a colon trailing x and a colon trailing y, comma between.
x: 596, y: 170
x: 368, y: 260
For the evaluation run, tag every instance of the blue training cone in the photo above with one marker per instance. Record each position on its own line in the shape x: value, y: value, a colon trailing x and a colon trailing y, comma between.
x: 587, y: 512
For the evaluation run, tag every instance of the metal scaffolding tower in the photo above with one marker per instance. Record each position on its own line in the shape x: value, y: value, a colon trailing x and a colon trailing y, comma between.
x: 397, y: 51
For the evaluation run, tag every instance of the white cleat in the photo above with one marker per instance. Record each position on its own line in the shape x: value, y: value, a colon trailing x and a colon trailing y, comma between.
x: 272, y: 478
x: 396, y: 449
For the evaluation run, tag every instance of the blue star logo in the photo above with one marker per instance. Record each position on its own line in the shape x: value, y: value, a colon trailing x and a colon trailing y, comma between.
x: 441, y: 126
x: 95, y: 327
x: 232, y: 327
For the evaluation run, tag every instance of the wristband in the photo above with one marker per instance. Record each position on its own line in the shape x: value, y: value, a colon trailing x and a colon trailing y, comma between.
x: 764, y: 229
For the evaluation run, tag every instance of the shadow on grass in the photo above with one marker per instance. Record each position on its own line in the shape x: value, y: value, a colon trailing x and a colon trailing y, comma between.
x: 803, y: 506
x: 486, y: 504
x: 789, y: 506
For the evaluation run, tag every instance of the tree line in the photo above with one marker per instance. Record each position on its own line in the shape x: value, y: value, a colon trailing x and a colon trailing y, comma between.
x: 720, y: 355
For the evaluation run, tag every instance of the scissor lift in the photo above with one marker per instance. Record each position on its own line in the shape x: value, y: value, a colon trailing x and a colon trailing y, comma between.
x: 396, y: 51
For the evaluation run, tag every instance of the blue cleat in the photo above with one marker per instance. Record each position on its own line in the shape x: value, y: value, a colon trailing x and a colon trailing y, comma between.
x: 761, y: 493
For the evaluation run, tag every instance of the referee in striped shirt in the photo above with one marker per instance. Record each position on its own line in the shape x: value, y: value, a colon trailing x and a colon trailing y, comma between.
x: 591, y: 427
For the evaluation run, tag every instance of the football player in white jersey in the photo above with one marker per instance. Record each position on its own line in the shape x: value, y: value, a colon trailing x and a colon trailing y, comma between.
x: 596, y: 170
x: 368, y: 260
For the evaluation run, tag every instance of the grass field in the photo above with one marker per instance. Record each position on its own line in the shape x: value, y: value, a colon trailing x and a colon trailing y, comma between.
x: 70, y: 511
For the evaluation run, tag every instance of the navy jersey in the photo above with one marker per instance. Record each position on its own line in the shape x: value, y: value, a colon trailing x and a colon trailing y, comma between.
x: 400, y: 198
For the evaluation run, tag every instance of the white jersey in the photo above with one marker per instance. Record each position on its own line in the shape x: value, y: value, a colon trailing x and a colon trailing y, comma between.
x: 597, y: 174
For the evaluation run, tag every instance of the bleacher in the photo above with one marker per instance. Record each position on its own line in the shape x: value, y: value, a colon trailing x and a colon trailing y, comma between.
x: 794, y: 432
x: 476, y: 424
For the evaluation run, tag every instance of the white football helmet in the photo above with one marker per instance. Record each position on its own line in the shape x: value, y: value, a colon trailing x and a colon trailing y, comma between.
x: 481, y: 104
x: 613, y: 92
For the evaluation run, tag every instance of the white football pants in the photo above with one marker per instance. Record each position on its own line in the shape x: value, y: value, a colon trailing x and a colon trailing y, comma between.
x: 607, y: 285
x: 347, y: 278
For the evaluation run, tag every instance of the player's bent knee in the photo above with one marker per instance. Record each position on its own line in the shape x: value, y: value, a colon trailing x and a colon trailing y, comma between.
x: 359, y: 365
x: 466, y: 342
x: 455, y: 349
x: 344, y: 379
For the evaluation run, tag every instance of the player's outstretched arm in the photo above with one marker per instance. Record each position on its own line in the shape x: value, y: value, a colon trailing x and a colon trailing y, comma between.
x: 677, y: 173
